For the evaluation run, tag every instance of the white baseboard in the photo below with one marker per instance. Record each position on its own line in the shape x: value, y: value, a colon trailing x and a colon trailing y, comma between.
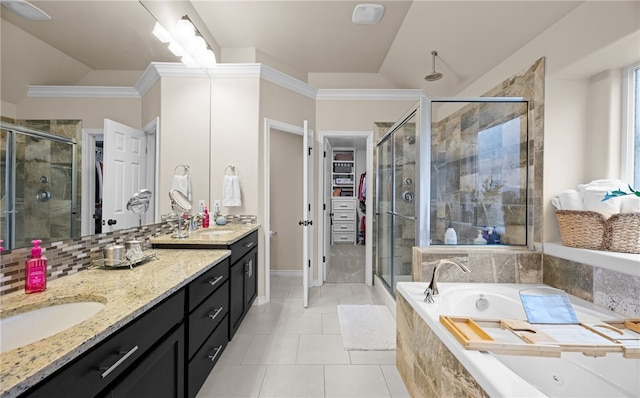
x: 384, y: 294
x: 287, y: 273
x: 260, y: 300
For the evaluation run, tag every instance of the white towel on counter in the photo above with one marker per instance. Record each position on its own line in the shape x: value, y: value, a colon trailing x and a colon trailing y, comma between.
x: 629, y: 204
x: 592, y: 197
x: 231, y: 191
x: 571, y: 200
x: 182, y: 184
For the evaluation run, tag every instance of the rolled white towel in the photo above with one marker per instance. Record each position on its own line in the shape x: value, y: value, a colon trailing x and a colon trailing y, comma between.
x: 555, y: 201
x: 605, y: 184
x: 571, y: 200
x: 592, y: 198
x: 629, y: 204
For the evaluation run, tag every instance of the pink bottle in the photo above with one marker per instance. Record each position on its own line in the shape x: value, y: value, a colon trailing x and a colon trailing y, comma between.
x: 205, y: 218
x: 35, y: 270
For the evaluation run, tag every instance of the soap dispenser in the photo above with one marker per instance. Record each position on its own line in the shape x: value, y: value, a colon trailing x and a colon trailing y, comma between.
x: 479, y: 240
x: 205, y: 218
x: 450, y: 237
x: 35, y: 270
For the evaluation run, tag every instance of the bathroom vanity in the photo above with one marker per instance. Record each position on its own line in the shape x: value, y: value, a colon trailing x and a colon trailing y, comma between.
x: 163, y: 326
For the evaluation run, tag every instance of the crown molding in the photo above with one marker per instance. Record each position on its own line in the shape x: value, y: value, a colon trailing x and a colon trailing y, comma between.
x: 157, y: 70
x: 369, y: 94
x: 82, y: 92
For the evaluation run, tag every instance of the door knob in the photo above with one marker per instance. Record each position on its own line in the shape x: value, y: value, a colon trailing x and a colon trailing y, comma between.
x: 111, y: 222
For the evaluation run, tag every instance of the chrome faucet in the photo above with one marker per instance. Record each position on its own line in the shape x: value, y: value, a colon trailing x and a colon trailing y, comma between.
x: 432, y: 290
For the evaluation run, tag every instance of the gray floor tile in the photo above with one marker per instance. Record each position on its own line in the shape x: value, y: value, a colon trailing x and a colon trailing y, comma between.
x: 293, y: 381
x: 355, y: 381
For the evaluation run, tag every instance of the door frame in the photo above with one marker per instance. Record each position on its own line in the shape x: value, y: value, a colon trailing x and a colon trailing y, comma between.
x: 324, y: 244
x: 287, y: 128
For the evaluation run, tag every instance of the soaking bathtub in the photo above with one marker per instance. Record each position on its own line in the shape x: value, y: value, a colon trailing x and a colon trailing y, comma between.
x: 571, y: 375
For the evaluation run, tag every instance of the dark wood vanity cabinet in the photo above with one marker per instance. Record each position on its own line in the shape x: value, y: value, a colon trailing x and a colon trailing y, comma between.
x: 207, y: 324
x: 130, y: 361
x: 243, y: 278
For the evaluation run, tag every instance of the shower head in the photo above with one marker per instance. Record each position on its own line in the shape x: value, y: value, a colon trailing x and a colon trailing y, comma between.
x: 433, y: 76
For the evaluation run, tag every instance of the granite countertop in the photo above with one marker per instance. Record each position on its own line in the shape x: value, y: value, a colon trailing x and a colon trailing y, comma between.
x: 215, y: 235
x: 126, y: 293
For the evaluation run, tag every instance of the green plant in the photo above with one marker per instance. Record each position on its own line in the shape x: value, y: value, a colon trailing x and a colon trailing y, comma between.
x: 618, y: 192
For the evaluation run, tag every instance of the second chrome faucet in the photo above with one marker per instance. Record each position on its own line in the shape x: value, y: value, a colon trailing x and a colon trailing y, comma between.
x: 432, y: 290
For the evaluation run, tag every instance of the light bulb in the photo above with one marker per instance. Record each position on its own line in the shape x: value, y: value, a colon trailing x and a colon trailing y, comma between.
x: 176, y: 49
x: 161, y: 33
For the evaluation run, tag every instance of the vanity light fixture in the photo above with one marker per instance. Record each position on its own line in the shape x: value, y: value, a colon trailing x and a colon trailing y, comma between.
x: 187, y: 42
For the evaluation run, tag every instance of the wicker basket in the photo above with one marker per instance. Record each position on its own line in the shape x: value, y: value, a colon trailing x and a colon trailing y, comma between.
x: 623, y: 233
x: 590, y: 230
x: 583, y: 229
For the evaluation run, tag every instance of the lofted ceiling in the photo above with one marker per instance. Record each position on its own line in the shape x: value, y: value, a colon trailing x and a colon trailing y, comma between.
x: 311, y: 37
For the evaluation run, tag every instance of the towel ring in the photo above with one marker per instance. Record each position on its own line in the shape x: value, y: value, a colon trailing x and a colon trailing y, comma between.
x: 232, y: 168
x: 185, y: 168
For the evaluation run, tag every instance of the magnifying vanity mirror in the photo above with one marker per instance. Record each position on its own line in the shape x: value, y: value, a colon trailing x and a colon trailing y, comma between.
x: 139, y: 203
x: 180, y: 203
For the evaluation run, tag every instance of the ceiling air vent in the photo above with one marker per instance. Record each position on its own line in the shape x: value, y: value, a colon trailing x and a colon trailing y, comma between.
x: 367, y: 14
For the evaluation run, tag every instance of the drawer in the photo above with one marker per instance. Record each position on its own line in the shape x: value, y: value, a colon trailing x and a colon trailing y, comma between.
x: 344, y: 216
x: 242, y: 247
x: 207, y: 316
x: 207, y: 283
x: 349, y: 237
x: 342, y: 226
x: 343, y: 205
x: 206, y: 357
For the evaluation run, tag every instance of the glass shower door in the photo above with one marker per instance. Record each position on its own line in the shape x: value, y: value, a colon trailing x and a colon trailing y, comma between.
x: 384, y: 210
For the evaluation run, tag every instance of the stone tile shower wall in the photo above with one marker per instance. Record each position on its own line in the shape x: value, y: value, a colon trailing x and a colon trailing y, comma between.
x: 48, y: 220
x: 479, y: 172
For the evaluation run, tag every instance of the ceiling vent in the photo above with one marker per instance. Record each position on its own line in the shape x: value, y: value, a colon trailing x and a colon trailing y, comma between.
x: 367, y: 14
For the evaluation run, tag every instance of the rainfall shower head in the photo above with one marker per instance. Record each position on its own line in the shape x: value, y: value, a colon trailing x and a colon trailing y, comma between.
x: 433, y: 76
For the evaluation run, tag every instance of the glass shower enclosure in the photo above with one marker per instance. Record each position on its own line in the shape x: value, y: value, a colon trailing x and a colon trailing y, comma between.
x: 38, y: 189
x: 451, y: 162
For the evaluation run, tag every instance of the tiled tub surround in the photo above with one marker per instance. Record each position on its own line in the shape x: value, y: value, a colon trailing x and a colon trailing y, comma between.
x: 127, y: 294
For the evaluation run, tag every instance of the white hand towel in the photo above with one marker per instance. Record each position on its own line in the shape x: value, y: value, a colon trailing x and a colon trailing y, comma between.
x: 571, y: 200
x: 592, y: 197
x: 607, y: 185
x: 231, y: 191
x: 182, y: 184
x: 629, y: 204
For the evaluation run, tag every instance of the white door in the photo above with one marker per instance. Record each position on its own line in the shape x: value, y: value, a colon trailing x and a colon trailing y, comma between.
x: 125, y: 155
x: 326, y: 248
x: 307, y: 222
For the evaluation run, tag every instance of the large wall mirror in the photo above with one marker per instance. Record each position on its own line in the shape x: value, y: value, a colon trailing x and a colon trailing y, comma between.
x: 48, y: 171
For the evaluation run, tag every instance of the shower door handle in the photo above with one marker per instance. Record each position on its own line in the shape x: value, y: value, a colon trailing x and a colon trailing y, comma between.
x: 393, y: 213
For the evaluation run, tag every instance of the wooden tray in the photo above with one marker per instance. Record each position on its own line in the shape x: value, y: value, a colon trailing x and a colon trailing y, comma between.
x: 592, y: 339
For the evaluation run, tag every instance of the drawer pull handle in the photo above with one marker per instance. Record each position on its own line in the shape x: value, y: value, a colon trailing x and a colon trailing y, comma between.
x: 249, y: 245
x: 212, y: 282
x: 217, y: 350
x: 213, y: 315
x: 125, y: 355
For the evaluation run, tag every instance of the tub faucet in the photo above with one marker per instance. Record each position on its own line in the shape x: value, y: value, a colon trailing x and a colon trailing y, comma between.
x: 432, y: 290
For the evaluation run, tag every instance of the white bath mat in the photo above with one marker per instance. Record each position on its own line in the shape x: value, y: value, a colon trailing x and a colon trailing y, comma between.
x: 367, y: 327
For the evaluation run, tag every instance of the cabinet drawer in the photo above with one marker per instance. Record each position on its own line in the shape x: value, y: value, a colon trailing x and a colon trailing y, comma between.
x: 343, y: 205
x: 344, y: 237
x: 207, y: 316
x: 342, y: 226
x: 242, y: 247
x: 96, y: 369
x: 344, y: 216
x: 204, y: 360
x: 207, y: 283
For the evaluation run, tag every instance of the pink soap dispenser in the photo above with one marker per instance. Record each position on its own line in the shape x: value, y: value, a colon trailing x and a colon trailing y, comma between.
x: 35, y: 270
x: 205, y: 218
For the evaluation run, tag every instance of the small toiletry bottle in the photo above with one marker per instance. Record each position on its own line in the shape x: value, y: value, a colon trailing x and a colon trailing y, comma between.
x: 450, y: 237
x: 479, y: 240
x: 496, y: 236
x: 490, y: 236
x: 205, y: 218
x: 35, y: 270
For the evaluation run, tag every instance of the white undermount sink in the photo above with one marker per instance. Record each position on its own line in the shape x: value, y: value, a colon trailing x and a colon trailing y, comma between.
x: 219, y: 232
x: 31, y: 326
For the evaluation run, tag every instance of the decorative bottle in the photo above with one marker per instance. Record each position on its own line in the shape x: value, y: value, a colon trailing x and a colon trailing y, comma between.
x: 35, y: 270
x: 205, y: 218
x: 450, y: 236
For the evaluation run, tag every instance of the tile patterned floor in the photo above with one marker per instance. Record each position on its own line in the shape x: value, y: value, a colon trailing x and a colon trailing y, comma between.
x: 283, y: 350
x: 347, y: 264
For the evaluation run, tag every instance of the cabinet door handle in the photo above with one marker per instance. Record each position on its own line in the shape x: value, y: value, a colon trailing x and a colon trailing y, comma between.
x: 249, y: 245
x: 248, y: 268
x: 213, y: 315
x: 212, y: 282
x: 125, y: 355
x: 217, y: 351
